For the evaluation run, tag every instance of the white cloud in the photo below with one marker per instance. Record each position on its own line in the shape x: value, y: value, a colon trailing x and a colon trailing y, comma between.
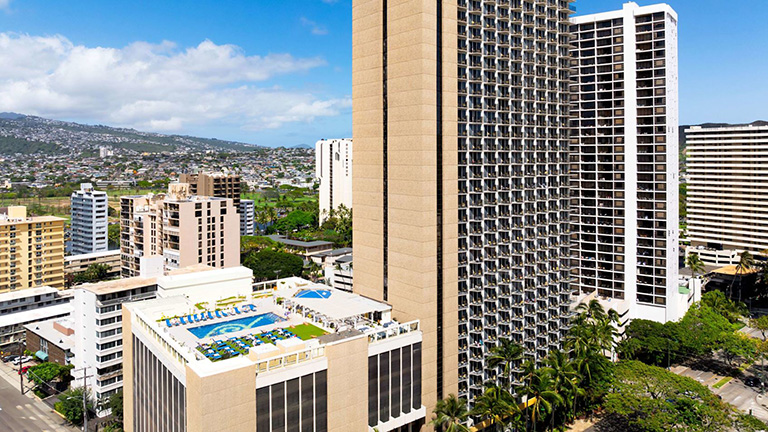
x: 317, y: 29
x: 155, y: 86
x: 5, y: 3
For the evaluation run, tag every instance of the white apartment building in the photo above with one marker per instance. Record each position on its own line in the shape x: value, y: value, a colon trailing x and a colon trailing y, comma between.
x: 333, y: 167
x: 99, y: 333
x: 624, y: 160
x: 727, y: 191
x: 89, y: 220
x: 247, y: 212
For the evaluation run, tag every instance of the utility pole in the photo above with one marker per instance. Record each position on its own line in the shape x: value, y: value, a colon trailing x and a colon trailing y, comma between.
x: 85, y: 396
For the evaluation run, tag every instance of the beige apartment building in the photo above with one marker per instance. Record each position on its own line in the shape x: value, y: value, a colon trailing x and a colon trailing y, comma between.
x: 31, y: 250
x: 214, y: 184
x: 293, y: 355
x: 727, y: 184
x: 461, y: 188
x: 163, y: 232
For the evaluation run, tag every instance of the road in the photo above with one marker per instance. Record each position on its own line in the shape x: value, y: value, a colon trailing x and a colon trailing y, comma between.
x: 25, y: 413
x: 745, y: 399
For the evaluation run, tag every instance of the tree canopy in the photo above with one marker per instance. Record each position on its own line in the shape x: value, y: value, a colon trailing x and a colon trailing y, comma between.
x: 268, y: 264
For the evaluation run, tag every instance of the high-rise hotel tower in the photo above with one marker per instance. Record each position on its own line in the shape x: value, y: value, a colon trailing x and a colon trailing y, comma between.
x: 460, y: 124
x: 624, y: 160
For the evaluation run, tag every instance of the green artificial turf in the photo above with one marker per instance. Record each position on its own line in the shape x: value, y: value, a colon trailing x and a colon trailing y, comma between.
x: 307, y: 331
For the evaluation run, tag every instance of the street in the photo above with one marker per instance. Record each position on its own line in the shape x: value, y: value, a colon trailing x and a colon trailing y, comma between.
x: 25, y: 413
x: 744, y: 398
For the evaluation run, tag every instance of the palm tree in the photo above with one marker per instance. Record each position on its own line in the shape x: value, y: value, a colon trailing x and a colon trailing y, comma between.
x: 505, y: 354
x: 498, y: 406
x: 746, y: 262
x: 565, y: 378
x: 529, y: 373
x: 450, y: 415
x: 694, y: 263
x: 543, y: 397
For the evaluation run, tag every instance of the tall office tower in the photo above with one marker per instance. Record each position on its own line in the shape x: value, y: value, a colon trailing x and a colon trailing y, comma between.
x: 31, y: 250
x: 167, y: 231
x: 624, y: 159
x: 726, y: 191
x: 247, y: 211
x: 460, y: 124
x: 333, y: 166
x: 89, y: 220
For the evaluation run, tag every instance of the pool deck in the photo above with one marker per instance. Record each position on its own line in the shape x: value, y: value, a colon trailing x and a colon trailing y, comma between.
x: 182, y: 334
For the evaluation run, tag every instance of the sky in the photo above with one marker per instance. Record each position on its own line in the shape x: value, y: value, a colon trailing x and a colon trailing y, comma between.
x: 278, y: 72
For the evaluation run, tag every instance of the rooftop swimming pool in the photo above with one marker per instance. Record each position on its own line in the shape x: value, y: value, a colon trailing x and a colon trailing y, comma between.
x: 313, y: 294
x: 220, y: 328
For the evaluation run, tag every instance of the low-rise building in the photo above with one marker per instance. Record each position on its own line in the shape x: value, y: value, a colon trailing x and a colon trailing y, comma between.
x: 18, y: 308
x: 304, y: 248
x: 75, y: 264
x: 52, y: 340
x: 340, y: 274
x: 293, y: 356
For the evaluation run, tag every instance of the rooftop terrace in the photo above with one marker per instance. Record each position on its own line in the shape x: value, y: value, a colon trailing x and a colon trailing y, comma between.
x: 284, y: 322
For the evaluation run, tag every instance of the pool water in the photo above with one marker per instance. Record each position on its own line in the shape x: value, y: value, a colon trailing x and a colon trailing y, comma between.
x: 209, y: 330
x: 313, y: 294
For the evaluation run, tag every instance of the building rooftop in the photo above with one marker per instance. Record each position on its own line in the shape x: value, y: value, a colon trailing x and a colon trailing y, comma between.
x: 336, y: 252
x: 118, y: 285
x: 34, y: 315
x: 291, y: 315
x: 732, y: 270
x: 299, y: 243
x: 45, y: 329
x: 27, y: 292
x: 92, y: 255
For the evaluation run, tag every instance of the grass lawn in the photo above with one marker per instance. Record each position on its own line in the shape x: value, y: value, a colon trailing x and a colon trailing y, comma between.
x: 307, y: 331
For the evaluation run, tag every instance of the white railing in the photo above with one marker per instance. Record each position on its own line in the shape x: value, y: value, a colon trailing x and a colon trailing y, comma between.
x: 289, y: 359
x: 382, y: 333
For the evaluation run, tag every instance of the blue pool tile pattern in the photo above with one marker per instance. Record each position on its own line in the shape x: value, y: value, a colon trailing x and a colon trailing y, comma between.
x: 313, y: 294
x: 220, y: 328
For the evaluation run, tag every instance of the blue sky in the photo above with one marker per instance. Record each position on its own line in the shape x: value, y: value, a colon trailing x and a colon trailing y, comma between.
x: 278, y: 72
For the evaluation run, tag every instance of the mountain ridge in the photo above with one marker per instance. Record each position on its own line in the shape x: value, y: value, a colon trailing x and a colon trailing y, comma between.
x: 24, y: 134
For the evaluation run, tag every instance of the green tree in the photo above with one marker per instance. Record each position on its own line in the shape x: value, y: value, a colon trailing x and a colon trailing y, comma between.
x: 70, y: 405
x: 256, y: 243
x: 450, y: 415
x: 113, y: 235
x: 565, y: 380
x: 760, y: 323
x: 542, y: 396
x: 735, y: 345
x: 267, y: 264
x: 749, y: 423
x: 693, y: 262
x: 652, y: 399
x: 46, y: 372
x: 505, y: 354
x: 497, y: 407
x: 115, y: 405
x: 733, y: 311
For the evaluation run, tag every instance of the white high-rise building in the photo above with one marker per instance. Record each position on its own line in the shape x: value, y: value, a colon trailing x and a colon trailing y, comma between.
x: 247, y: 211
x: 98, y: 316
x: 89, y: 220
x: 624, y: 160
x: 727, y: 187
x: 333, y: 167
